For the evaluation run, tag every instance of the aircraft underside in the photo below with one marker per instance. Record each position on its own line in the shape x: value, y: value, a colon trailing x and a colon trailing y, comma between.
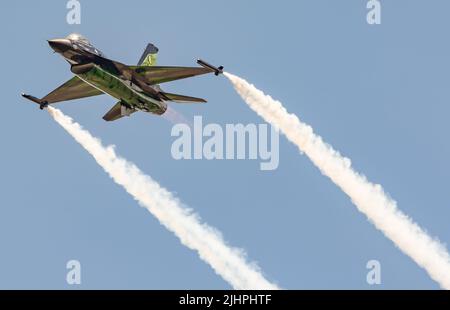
x: 126, y: 92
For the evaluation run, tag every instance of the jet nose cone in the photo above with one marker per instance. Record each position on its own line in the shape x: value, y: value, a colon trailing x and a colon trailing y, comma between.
x: 60, y: 45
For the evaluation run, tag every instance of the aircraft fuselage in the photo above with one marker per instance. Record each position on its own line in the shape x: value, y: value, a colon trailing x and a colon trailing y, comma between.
x: 136, y: 86
x: 111, y: 77
x: 126, y: 91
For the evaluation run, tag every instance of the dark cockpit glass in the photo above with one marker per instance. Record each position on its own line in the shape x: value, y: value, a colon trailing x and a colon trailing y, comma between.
x: 81, y: 42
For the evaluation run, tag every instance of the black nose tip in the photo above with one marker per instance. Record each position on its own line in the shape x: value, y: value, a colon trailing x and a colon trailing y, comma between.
x: 59, y: 45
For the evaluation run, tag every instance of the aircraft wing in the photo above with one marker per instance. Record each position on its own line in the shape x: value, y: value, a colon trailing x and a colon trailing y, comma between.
x: 157, y: 74
x: 74, y: 88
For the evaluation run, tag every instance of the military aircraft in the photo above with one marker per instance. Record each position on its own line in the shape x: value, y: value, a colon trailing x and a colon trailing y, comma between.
x: 136, y: 87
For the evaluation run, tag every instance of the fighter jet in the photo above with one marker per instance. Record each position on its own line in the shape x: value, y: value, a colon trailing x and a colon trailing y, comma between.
x: 135, y: 87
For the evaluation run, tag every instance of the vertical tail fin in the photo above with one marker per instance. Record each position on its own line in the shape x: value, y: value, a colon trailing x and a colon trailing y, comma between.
x: 149, y: 56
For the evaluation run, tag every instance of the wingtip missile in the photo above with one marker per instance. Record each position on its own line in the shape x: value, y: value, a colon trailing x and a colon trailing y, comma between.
x: 217, y: 70
x: 42, y: 104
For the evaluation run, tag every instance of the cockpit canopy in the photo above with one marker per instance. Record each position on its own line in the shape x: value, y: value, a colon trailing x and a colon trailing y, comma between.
x: 78, y: 37
x: 79, y: 41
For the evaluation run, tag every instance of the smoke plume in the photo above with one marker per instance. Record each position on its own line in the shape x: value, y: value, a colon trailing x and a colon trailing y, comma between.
x: 369, y: 198
x: 230, y: 263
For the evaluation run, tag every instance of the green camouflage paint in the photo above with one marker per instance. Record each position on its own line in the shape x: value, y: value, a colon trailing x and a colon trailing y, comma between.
x: 121, y: 90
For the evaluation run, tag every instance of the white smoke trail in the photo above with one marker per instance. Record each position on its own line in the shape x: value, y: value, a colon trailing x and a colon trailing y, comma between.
x: 229, y: 263
x: 369, y: 198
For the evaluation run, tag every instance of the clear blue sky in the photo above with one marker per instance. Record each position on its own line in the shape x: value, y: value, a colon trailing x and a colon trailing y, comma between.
x: 379, y: 94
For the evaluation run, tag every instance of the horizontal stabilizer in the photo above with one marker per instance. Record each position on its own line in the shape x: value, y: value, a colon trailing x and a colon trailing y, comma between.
x: 182, y: 98
x: 118, y: 111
